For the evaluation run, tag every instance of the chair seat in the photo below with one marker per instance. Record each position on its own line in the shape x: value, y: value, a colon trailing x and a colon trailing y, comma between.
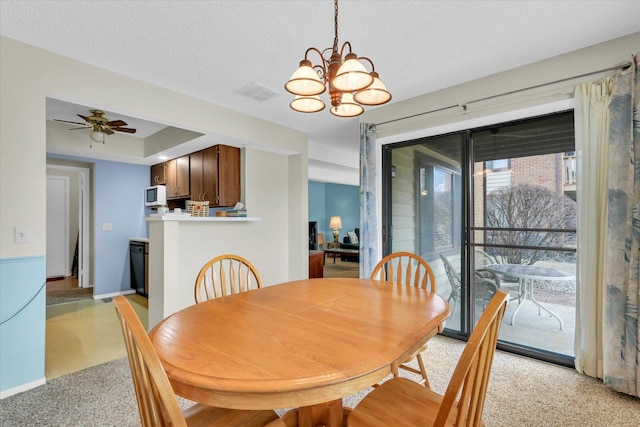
x: 396, y: 402
x: 201, y: 415
x: 399, y: 402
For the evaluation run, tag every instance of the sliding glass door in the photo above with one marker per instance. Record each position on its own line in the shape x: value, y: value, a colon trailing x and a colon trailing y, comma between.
x: 424, y: 214
x: 494, y: 208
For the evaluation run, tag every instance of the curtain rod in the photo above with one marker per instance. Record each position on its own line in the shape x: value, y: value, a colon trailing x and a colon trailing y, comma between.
x: 464, y: 105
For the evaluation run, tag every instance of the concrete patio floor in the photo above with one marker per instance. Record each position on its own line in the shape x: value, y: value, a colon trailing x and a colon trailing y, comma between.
x: 533, y: 329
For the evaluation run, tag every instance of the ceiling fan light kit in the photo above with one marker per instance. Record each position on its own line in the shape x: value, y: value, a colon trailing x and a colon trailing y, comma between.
x: 100, y: 126
x: 350, y: 84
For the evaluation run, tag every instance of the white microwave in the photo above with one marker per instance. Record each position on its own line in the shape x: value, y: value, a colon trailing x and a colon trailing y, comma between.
x: 155, y: 195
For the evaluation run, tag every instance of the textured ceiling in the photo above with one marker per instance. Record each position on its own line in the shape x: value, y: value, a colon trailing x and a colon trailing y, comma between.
x: 210, y: 49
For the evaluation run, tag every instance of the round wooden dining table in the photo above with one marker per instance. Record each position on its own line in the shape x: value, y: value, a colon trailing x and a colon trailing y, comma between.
x: 303, y: 344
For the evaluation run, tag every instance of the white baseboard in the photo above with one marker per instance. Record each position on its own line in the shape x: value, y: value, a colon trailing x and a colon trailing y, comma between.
x: 21, y: 388
x: 114, y: 294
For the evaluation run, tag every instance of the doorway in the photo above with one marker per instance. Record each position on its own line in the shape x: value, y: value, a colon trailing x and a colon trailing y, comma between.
x: 78, y: 220
x: 57, y: 260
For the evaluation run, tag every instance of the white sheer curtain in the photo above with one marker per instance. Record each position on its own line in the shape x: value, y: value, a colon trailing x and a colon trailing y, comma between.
x: 592, y: 124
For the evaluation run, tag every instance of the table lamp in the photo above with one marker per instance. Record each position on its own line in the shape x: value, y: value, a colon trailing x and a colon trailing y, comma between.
x: 335, y: 223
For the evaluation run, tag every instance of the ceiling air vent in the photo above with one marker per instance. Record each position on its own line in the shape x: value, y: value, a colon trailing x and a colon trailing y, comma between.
x: 258, y: 91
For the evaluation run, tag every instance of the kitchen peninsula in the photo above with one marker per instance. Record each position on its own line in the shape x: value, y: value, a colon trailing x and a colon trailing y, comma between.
x: 179, y: 245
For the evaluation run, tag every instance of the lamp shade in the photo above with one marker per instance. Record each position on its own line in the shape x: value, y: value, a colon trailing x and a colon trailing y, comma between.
x: 376, y: 94
x: 348, y: 107
x: 335, y: 222
x: 305, y: 81
x: 307, y: 104
x: 352, y: 75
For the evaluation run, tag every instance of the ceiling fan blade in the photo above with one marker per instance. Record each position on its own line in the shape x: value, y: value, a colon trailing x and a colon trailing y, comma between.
x: 67, y: 121
x: 86, y: 127
x: 107, y: 130
x: 116, y: 123
x: 86, y: 119
x: 127, y: 130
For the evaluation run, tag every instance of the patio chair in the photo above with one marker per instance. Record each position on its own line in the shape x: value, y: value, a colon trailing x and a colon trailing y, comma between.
x: 509, y: 284
x: 486, y: 284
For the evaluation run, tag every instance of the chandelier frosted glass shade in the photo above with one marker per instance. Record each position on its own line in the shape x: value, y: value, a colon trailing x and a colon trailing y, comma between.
x: 305, y: 81
x: 307, y: 104
x: 375, y: 94
x: 347, y: 107
x: 352, y: 75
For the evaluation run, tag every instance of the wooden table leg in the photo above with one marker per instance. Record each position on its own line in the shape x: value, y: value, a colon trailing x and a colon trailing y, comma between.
x: 325, y: 414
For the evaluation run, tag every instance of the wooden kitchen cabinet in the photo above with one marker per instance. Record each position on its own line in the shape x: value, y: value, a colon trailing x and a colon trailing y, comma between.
x: 177, y: 178
x: 157, y: 174
x: 215, y: 175
x: 227, y: 175
x: 201, y: 181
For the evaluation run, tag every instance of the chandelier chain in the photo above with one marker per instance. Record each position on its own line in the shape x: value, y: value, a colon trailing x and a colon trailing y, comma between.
x: 335, y: 26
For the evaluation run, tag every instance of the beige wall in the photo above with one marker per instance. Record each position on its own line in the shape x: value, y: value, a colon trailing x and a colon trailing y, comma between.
x: 28, y: 75
x: 405, y: 120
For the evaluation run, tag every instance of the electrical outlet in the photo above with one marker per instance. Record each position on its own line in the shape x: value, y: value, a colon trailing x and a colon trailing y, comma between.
x: 107, y: 226
x: 21, y: 234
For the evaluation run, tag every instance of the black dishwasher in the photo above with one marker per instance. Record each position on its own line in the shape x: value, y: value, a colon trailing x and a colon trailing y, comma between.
x: 138, y: 267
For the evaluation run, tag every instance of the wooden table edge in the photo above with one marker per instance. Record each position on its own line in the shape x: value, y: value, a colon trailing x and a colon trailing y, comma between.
x: 275, y: 400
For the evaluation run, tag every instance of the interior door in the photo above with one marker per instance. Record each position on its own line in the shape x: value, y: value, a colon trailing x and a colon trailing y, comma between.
x: 57, y: 263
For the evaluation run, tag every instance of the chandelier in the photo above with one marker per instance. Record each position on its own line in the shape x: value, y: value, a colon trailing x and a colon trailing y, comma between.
x: 350, y: 84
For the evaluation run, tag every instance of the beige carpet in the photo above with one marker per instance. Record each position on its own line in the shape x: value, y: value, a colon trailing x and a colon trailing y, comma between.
x: 522, y: 392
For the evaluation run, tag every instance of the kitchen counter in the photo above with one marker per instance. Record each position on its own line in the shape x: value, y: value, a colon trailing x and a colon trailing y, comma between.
x: 139, y: 239
x: 187, y: 217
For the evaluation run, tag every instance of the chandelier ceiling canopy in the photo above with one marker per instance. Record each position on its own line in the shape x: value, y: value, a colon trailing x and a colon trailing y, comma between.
x: 350, y: 84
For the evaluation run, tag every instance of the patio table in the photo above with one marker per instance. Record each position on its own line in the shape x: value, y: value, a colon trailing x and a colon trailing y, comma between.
x: 527, y: 274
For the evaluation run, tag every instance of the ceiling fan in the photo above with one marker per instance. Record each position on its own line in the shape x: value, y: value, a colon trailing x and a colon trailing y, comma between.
x: 100, y: 126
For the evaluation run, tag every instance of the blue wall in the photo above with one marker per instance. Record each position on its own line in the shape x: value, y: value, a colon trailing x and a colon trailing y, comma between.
x: 118, y: 200
x: 327, y: 200
x: 22, y: 321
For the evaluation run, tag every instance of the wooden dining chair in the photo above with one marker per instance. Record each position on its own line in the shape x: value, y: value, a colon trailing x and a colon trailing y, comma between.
x: 157, y: 403
x: 226, y: 275
x: 405, y: 268
x: 402, y: 402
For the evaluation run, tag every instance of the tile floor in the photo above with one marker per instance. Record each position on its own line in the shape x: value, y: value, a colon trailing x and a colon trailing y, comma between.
x: 84, y: 334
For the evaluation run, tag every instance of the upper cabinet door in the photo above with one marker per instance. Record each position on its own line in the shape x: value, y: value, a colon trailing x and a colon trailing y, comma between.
x: 177, y: 178
x: 196, y: 188
x: 228, y: 174
x: 158, y: 174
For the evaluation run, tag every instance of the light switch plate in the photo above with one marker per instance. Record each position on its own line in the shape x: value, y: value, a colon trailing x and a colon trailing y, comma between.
x: 21, y: 234
x: 107, y: 226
